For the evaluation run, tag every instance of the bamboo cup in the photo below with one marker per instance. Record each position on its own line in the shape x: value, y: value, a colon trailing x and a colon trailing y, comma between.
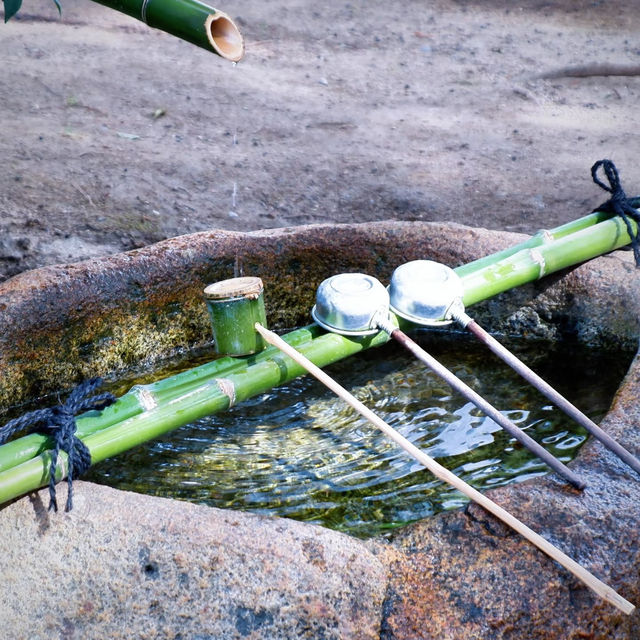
x: 234, y: 306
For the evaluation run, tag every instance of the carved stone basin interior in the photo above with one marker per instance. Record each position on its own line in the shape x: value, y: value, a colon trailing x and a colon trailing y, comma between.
x: 299, y: 451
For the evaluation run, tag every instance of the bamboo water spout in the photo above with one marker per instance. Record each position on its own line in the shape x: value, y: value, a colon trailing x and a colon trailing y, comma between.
x: 188, y: 20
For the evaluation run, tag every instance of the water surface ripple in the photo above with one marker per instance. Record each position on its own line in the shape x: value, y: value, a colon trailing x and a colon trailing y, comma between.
x: 300, y: 452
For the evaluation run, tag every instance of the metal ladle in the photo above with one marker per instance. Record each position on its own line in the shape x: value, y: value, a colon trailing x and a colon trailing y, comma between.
x: 429, y: 293
x: 357, y: 304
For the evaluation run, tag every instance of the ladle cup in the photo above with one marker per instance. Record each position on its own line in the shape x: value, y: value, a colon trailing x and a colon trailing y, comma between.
x: 351, y: 304
x: 336, y: 310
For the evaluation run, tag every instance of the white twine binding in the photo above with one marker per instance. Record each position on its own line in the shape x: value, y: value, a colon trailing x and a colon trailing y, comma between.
x: 538, y: 258
x: 146, y: 398
x: 227, y: 387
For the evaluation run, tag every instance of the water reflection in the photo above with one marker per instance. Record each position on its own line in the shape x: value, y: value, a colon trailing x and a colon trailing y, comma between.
x: 298, y: 451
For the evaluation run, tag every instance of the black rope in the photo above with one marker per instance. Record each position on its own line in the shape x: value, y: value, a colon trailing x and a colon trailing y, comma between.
x: 59, y: 423
x: 618, y: 203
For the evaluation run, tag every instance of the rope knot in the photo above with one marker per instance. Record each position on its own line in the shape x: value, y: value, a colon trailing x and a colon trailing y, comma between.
x: 618, y: 203
x: 59, y: 422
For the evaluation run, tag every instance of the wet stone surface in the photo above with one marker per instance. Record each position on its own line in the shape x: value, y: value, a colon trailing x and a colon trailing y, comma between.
x: 123, y: 565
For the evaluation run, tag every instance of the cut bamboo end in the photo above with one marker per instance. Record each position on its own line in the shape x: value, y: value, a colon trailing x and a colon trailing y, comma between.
x: 224, y: 36
x: 234, y: 306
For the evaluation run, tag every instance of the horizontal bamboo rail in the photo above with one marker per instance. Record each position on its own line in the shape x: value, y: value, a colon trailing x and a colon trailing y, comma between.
x: 139, y: 399
x: 531, y: 264
x: 253, y: 376
x: 539, y: 238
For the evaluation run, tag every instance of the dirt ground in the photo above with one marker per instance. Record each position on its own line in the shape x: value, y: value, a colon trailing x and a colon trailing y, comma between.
x: 115, y: 136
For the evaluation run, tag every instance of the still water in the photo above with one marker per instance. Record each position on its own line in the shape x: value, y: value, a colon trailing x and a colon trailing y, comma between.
x: 300, y: 452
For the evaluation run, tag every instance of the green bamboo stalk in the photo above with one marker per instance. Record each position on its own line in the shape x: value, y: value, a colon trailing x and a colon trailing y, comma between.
x: 260, y: 374
x: 528, y: 265
x: 189, y: 20
x: 139, y: 399
x: 540, y: 238
x: 21, y: 449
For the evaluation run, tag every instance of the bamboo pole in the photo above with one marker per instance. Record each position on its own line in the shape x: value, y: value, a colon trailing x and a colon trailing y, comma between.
x: 188, y: 20
x: 138, y: 399
x: 141, y: 398
x: 596, y: 585
x: 528, y: 265
x: 541, y: 237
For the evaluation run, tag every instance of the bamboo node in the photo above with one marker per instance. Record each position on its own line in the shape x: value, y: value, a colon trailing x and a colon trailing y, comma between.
x: 146, y: 398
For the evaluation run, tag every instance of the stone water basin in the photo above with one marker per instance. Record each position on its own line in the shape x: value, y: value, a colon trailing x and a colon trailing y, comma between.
x: 138, y: 566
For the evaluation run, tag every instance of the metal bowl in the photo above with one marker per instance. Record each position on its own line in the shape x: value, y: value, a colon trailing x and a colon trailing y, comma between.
x: 424, y: 292
x: 350, y: 303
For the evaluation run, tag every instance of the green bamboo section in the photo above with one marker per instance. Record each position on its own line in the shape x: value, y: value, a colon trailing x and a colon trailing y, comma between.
x: 251, y: 377
x: 148, y: 411
x: 139, y: 399
x: 188, y: 20
x: 528, y: 265
x: 540, y: 238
